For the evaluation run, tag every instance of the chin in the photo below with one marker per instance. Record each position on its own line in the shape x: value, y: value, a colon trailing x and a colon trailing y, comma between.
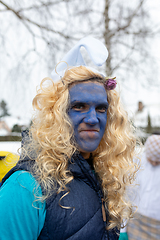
x: 88, y: 150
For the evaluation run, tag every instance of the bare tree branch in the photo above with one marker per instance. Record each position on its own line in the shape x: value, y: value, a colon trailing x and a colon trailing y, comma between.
x: 40, y: 26
x: 86, y: 19
x: 130, y: 18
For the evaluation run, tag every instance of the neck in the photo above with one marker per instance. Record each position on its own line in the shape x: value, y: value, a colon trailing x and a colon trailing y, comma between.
x: 85, y: 155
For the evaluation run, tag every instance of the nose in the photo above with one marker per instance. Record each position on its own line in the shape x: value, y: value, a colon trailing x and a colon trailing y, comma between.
x: 91, y: 117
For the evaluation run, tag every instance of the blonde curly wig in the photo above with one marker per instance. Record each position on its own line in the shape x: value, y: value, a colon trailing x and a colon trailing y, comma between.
x: 52, y: 132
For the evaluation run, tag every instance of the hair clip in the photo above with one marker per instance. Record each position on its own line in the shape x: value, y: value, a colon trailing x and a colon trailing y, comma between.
x: 62, y: 80
x: 62, y: 70
x: 110, y: 83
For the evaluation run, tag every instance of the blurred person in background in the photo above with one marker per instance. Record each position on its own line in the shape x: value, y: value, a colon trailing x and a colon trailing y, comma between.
x: 77, y: 161
x: 145, y: 224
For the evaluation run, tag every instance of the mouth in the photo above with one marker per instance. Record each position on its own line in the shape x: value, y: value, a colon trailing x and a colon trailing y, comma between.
x: 89, y: 130
x: 89, y: 134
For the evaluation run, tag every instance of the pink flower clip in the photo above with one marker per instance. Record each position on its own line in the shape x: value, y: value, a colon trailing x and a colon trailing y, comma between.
x: 110, y: 84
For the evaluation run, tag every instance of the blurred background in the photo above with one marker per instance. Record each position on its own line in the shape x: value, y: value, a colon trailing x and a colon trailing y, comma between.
x: 35, y: 35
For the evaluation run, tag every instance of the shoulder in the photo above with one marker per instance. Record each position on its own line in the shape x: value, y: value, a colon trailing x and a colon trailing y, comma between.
x: 23, y: 179
x: 22, y: 183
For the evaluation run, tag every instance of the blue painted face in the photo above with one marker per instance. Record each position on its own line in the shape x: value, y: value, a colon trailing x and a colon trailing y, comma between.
x: 88, y: 113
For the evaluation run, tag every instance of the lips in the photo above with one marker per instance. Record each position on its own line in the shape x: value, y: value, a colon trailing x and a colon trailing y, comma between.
x: 89, y: 133
x: 88, y: 130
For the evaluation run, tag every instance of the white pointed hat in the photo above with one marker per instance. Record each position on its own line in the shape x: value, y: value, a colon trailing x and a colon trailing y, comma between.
x: 96, y: 50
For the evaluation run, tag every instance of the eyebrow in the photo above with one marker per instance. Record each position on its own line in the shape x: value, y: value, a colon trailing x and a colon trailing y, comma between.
x: 82, y: 102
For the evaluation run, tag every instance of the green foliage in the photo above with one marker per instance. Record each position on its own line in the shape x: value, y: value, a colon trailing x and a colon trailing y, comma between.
x: 3, y: 109
x: 149, y: 126
x: 16, y: 128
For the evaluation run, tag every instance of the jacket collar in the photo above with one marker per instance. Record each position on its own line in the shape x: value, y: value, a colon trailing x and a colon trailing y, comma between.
x: 81, y: 170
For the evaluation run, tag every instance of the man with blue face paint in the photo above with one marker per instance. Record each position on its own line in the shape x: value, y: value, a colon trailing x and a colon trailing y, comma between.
x: 76, y: 161
x: 88, y: 112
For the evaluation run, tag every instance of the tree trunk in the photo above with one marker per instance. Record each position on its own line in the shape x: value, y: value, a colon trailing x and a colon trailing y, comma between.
x: 107, y: 37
